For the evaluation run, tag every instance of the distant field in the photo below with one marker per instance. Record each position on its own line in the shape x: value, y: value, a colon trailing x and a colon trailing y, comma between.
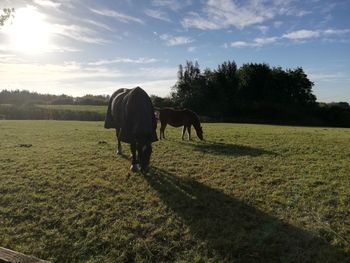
x: 93, y: 108
x: 250, y: 193
x: 52, y: 112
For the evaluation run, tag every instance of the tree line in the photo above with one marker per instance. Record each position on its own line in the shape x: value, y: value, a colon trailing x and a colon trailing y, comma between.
x: 255, y: 92
x: 21, y: 97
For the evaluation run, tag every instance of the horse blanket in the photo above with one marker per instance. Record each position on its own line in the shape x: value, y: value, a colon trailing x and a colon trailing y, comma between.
x: 131, y: 111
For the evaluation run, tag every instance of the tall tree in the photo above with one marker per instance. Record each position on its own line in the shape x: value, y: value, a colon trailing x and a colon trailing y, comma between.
x: 255, y: 82
x: 226, y: 87
x: 188, y: 88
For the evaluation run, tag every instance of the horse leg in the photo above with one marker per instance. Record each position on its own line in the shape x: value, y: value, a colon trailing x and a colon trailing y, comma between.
x: 189, y: 132
x: 134, y: 163
x: 183, y: 132
x: 139, y: 147
x: 162, y: 130
x: 119, y: 146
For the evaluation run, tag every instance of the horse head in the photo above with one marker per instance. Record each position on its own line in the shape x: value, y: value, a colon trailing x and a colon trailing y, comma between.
x: 199, y: 132
x: 144, y: 157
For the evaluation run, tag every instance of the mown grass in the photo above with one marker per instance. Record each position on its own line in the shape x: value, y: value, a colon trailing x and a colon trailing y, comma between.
x: 250, y: 193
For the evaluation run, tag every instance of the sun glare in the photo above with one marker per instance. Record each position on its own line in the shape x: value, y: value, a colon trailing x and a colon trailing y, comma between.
x: 29, y: 33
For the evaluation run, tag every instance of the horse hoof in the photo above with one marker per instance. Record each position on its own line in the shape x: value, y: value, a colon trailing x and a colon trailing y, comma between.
x: 135, y: 168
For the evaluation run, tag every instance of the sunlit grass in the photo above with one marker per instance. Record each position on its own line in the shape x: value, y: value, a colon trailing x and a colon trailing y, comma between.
x: 255, y: 193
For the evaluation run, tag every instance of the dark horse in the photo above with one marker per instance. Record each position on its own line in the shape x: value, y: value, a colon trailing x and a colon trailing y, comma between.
x: 131, y: 113
x: 177, y: 118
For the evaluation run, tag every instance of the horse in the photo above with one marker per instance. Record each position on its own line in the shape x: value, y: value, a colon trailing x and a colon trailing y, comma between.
x: 177, y: 118
x: 131, y: 113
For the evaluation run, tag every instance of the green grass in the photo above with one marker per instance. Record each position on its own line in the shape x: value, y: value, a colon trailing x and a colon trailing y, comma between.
x: 92, y: 108
x: 250, y: 193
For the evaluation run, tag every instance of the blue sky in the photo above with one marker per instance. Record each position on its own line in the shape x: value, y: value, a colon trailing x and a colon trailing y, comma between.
x: 79, y: 47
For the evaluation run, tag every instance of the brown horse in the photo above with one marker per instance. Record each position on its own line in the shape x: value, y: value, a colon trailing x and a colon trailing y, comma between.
x: 177, y: 118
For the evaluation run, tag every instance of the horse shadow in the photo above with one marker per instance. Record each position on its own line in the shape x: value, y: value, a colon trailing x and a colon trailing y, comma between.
x: 234, y: 231
x: 220, y: 148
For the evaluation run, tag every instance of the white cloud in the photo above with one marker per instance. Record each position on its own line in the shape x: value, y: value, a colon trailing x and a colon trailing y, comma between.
x: 175, y: 40
x: 47, y: 49
x: 124, y: 60
x: 47, y: 3
x: 257, y: 42
x: 78, y: 33
x: 218, y: 14
x: 298, y: 35
x: 305, y: 34
x: 240, y: 44
x: 265, y: 40
x: 302, y: 34
x: 336, y: 31
x: 298, y: 13
x: 7, y: 58
x: 191, y: 49
x: 31, y: 72
x: 97, y: 24
x: 117, y: 15
x: 157, y: 14
x: 74, y: 78
x: 263, y: 29
x: 194, y: 20
x: 174, y: 5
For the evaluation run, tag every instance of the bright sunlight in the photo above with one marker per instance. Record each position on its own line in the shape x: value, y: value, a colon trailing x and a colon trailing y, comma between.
x: 28, y: 31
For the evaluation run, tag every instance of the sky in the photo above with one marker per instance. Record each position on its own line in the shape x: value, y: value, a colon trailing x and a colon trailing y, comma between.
x: 79, y: 47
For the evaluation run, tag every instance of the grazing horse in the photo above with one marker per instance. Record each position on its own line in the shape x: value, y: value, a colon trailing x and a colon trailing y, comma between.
x: 177, y: 118
x: 131, y: 113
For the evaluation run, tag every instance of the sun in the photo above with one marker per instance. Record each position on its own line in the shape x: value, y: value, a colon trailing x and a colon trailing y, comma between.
x: 29, y: 32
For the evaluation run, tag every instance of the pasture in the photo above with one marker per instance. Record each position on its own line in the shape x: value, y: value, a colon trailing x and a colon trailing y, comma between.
x: 249, y: 193
x: 79, y: 108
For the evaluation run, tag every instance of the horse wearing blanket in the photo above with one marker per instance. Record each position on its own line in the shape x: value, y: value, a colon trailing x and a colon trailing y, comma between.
x: 130, y: 112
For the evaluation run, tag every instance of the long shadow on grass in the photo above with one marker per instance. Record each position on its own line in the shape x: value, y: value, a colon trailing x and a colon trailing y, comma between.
x: 220, y: 148
x: 234, y: 231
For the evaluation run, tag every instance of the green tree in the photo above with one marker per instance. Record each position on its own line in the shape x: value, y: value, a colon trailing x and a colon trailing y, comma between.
x: 160, y: 102
x: 255, y: 83
x: 300, y: 88
x: 225, y: 83
x: 188, y: 91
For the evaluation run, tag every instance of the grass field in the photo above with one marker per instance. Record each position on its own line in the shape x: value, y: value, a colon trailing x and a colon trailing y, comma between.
x: 92, y: 108
x: 250, y: 193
